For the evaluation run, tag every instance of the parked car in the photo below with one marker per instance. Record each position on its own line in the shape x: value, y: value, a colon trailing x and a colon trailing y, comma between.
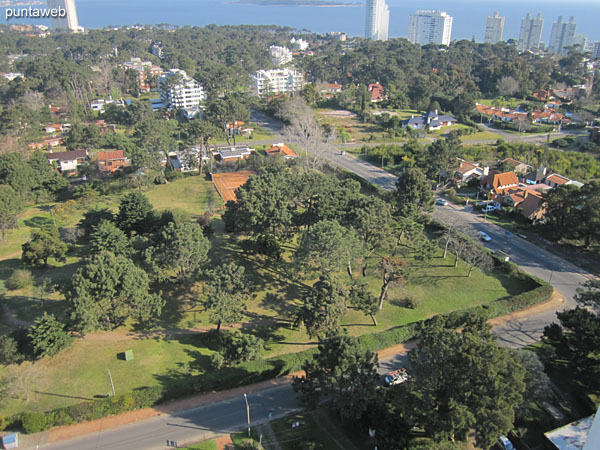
x: 484, y: 236
x: 503, y: 256
x: 396, y: 377
x: 489, y: 208
x: 441, y: 201
x: 505, y: 444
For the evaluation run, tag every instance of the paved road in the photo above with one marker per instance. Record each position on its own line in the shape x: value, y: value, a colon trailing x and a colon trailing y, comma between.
x: 201, y: 423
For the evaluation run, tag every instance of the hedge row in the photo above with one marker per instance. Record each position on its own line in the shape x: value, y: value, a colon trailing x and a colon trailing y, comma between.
x: 259, y: 370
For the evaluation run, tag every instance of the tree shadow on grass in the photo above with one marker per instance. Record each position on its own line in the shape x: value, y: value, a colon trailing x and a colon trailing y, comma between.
x: 63, y: 395
x: 39, y: 222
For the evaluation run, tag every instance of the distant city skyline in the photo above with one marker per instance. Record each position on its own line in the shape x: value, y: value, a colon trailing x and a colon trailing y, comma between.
x: 70, y: 21
x: 531, y: 33
x: 562, y: 36
x: 494, y: 28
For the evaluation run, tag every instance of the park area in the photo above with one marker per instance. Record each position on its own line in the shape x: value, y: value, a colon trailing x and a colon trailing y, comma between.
x: 180, y: 345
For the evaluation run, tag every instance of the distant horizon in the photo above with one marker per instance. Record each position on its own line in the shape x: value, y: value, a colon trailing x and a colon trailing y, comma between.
x: 469, y: 15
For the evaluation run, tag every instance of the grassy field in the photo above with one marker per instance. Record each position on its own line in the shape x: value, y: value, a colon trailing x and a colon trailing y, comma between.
x: 179, y: 346
x: 207, y: 445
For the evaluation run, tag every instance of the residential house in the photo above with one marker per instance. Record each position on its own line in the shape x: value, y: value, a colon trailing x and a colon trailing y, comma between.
x: 67, y: 161
x: 532, y: 207
x: 111, y: 161
x: 496, y: 184
x: 237, y: 127
x: 555, y: 180
x: 432, y: 121
x: 536, y: 176
x: 467, y: 171
x: 54, y: 128
x: 518, y: 167
x: 232, y: 153
x: 52, y: 142
x: 377, y: 93
x: 187, y: 160
x: 332, y: 88
x: 282, y: 150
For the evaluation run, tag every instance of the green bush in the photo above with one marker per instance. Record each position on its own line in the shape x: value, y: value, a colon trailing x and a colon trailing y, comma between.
x: 33, y: 422
x: 19, y: 279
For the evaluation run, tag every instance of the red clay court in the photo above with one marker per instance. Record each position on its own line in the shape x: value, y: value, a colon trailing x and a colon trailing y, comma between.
x: 227, y: 183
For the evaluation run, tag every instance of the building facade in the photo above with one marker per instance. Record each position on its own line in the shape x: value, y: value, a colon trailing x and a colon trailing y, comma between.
x: 494, y: 28
x: 531, y: 33
x: 596, y: 50
x: 377, y: 21
x: 69, y: 21
x: 280, y: 55
x: 277, y: 81
x: 562, y: 36
x: 181, y: 92
x: 430, y: 27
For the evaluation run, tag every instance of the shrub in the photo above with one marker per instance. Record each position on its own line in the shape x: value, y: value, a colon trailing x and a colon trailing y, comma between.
x: 412, y: 302
x: 217, y: 360
x: 9, y: 351
x: 19, y: 279
x: 34, y: 422
x: 239, y: 348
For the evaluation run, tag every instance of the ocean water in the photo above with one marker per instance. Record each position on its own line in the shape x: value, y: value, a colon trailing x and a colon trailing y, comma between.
x: 469, y: 15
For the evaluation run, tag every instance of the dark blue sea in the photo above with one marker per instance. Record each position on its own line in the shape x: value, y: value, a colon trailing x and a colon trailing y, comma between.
x: 469, y: 15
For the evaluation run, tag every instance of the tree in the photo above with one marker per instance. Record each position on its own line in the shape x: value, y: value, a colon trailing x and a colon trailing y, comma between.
x: 393, y: 270
x: 9, y: 351
x: 134, y: 213
x: 371, y: 218
x: 48, y: 336
x: 413, y: 191
x: 577, y: 340
x: 44, y: 243
x: 11, y: 206
x: 323, y: 308
x: 589, y: 294
x: 108, y: 290
x: 328, y: 247
x: 342, y: 372
x: 450, y: 392
x: 477, y: 257
x: 182, y: 249
x: 108, y: 237
x: 537, y: 383
x: 561, y: 213
x: 92, y: 218
x: 238, y: 348
x: 361, y: 299
x: 225, y: 294
x: 507, y: 86
x: 441, y: 155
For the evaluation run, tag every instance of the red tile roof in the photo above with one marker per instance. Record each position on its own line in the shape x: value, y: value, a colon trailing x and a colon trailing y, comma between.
x: 280, y: 149
x: 106, y: 156
x: 557, y: 179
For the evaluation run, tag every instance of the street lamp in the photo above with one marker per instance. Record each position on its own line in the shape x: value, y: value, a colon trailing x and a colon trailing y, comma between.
x: 247, y: 413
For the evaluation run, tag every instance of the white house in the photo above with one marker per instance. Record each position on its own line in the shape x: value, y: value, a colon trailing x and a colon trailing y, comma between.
x: 68, y: 161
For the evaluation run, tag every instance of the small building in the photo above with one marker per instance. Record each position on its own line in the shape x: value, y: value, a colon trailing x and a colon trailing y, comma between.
x: 432, y: 121
x: 281, y: 150
x: 232, y: 153
x: 377, y: 93
x: 535, y: 177
x: 469, y: 170
x: 496, y: 183
x: 532, y: 207
x: 67, y: 161
x: 332, y: 88
x: 572, y: 436
x: 518, y: 167
x: 555, y: 180
x: 10, y: 441
x: 54, y: 128
x: 111, y: 161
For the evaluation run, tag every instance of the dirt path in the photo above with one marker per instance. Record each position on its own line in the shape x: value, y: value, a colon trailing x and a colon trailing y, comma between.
x: 10, y: 255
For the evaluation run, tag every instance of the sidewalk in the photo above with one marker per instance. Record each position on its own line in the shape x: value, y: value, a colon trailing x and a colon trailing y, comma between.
x: 174, y: 406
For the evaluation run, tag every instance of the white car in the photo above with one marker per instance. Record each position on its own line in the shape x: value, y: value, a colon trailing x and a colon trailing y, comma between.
x: 484, y: 236
x: 489, y: 208
x: 396, y: 377
x: 505, y: 444
x: 441, y: 201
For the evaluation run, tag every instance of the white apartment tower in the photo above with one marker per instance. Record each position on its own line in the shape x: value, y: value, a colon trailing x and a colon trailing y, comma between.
x: 430, y: 27
x: 494, y: 28
x: 562, y: 36
x: 184, y: 94
x: 70, y: 21
x: 280, y: 55
x: 377, y: 21
x: 596, y: 50
x: 531, y: 33
x: 277, y: 81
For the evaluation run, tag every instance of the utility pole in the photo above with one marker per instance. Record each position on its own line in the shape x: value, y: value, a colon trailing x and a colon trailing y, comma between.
x: 112, y: 386
x: 248, y: 413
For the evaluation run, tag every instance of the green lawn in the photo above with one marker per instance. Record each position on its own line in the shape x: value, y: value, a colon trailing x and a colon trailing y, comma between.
x: 193, y: 194
x: 206, y: 445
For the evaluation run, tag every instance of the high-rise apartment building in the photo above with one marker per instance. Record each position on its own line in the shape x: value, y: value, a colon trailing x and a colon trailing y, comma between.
x: 581, y: 40
x: 561, y: 38
x: 277, y: 81
x: 179, y: 91
x: 494, y: 28
x: 69, y: 21
x: 596, y: 50
x: 430, y: 27
x: 280, y: 55
x: 531, y: 33
x: 377, y: 20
